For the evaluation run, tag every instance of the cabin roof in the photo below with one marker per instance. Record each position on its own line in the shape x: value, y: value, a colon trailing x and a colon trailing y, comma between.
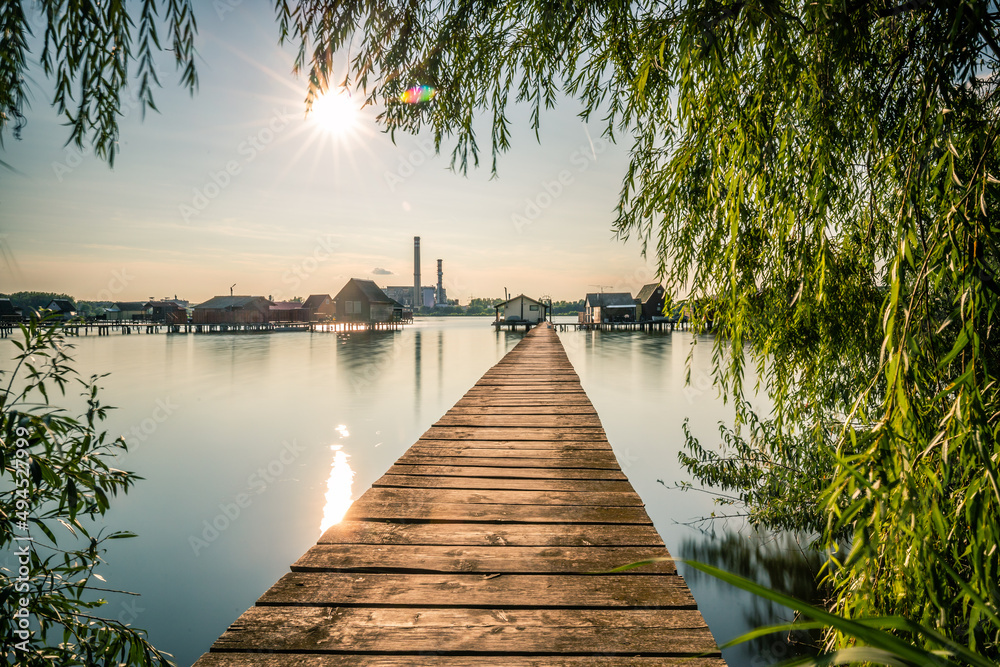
x: 163, y: 304
x: 128, y: 305
x: 372, y: 292
x: 647, y: 292
x: 63, y: 305
x: 316, y: 300
x: 515, y: 298
x: 286, y: 305
x: 7, y: 308
x: 221, y: 302
x: 610, y: 299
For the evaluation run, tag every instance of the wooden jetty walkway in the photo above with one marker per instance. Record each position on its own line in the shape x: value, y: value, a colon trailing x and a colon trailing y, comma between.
x: 487, y: 543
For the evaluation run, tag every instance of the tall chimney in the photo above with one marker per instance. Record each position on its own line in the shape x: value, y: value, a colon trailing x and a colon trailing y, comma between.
x: 440, y: 292
x: 416, y: 273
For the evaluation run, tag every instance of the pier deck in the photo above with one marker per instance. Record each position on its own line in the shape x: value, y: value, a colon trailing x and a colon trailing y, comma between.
x: 484, y: 545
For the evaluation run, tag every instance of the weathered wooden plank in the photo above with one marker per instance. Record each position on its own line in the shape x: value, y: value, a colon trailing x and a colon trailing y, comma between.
x: 479, y: 534
x: 484, y: 560
x: 520, y: 473
x: 497, y: 513
x: 584, y: 460
x: 521, y: 421
x: 429, y: 658
x: 439, y: 482
x: 581, y: 409
x: 501, y: 433
x: 599, y: 451
x: 546, y: 631
x: 528, y: 390
x: 510, y: 591
x: 478, y: 497
x: 519, y: 373
x: 513, y: 399
x: 494, y: 446
x: 525, y: 381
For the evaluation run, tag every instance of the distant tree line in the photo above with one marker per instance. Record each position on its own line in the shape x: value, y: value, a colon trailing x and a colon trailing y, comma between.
x: 30, y: 301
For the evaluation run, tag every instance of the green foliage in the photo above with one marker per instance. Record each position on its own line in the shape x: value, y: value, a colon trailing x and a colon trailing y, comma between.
x: 480, y: 306
x: 57, y: 482
x: 93, y: 308
x: 29, y: 301
x: 919, y: 646
x: 86, y: 51
x: 567, y: 307
x: 821, y: 178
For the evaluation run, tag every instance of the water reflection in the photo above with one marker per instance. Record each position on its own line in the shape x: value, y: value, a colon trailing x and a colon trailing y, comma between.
x: 782, y: 562
x: 338, y: 485
x: 416, y: 369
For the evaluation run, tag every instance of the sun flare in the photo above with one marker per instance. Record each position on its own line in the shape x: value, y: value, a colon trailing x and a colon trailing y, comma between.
x: 335, y: 112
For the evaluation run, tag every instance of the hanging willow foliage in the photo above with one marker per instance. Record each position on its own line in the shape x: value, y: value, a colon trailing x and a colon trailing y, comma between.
x: 87, y: 50
x: 821, y: 177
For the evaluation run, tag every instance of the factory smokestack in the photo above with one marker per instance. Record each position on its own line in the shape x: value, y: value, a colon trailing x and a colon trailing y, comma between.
x: 440, y: 292
x: 416, y: 274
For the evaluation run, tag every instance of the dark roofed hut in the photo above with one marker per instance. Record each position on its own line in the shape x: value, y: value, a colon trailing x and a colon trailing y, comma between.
x: 126, y: 311
x: 362, y: 300
x: 651, y: 298
x: 9, y: 312
x: 168, y: 312
x: 289, y: 311
x: 65, y: 308
x: 611, y: 307
x: 320, y: 306
x: 233, y: 310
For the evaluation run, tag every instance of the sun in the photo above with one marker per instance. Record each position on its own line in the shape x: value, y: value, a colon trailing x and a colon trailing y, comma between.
x: 335, y: 112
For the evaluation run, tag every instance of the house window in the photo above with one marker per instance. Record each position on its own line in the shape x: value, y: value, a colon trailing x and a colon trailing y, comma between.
x: 535, y: 307
x: 357, y: 307
x: 349, y: 307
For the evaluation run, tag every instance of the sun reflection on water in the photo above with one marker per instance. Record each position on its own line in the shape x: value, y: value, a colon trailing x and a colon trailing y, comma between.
x: 338, y: 486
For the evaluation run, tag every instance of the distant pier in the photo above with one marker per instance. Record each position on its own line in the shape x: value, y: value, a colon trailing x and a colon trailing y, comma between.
x: 488, y: 542
x: 142, y: 327
x: 667, y: 326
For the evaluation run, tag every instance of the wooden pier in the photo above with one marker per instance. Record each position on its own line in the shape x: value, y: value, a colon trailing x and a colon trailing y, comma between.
x: 487, y: 543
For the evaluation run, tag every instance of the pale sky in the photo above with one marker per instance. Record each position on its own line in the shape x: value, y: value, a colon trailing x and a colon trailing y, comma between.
x: 301, y: 209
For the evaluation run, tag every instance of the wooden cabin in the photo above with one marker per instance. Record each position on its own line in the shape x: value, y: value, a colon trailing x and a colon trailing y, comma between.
x: 521, y: 309
x: 167, y: 312
x: 288, y: 311
x: 9, y: 312
x: 361, y: 300
x: 651, y: 298
x: 64, y: 308
x: 321, y: 307
x: 126, y: 311
x: 233, y: 310
x: 610, y: 307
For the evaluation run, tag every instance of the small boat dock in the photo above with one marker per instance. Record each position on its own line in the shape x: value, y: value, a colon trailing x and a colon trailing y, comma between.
x: 488, y: 542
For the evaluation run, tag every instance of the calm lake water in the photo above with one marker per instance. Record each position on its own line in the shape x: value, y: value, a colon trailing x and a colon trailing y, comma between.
x: 292, y: 426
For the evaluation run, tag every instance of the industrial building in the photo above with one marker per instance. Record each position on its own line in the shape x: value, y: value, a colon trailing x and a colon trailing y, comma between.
x: 416, y: 295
